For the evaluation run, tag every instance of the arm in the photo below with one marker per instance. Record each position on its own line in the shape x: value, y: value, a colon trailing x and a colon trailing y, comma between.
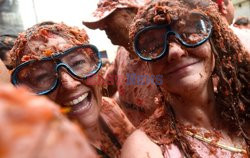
x: 116, y: 120
x: 138, y: 145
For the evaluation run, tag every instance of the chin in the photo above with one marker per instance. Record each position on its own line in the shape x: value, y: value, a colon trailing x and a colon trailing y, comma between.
x: 90, y: 119
x: 86, y: 111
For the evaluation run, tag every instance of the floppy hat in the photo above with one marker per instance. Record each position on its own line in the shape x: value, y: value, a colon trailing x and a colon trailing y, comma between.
x: 106, y: 7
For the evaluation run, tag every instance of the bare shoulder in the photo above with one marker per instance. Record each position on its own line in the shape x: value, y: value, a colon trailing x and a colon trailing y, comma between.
x: 138, y: 145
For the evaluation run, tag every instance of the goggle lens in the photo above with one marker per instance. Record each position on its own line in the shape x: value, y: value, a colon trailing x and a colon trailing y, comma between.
x: 83, y: 61
x: 150, y: 42
x: 42, y: 76
x: 37, y: 76
x: 191, y: 31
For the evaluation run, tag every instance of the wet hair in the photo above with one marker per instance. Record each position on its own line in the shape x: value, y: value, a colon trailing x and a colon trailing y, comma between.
x: 232, y: 65
x: 244, y: 21
x: 41, y: 32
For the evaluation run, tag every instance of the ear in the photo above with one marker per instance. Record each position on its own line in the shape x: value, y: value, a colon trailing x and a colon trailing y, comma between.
x: 224, y: 8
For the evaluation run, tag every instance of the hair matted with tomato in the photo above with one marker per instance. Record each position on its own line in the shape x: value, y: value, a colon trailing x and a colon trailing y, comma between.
x: 42, y: 32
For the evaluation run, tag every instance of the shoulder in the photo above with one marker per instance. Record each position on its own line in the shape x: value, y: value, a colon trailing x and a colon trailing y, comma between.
x: 138, y: 145
x: 157, y: 126
x: 115, y: 119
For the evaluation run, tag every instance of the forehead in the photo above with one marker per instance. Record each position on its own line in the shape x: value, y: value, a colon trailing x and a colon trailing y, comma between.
x: 53, y: 43
x: 40, y: 47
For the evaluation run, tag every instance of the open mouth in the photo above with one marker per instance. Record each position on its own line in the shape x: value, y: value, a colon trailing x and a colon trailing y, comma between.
x: 80, y: 105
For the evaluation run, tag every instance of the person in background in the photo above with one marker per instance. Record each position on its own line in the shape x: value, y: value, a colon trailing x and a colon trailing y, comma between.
x: 227, y: 11
x: 56, y: 60
x: 134, y: 90
x: 33, y: 127
x: 6, y: 43
x: 226, y: 8
x: 241, y: 28
x: 190, y: 44
x: 114, y: 16
x: 242, y: 22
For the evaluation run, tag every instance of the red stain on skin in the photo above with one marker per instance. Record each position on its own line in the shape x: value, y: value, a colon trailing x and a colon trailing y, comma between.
x: 139, y: 101
x: 200, y: 75
x: 149, y: 86
x: 135, y: 90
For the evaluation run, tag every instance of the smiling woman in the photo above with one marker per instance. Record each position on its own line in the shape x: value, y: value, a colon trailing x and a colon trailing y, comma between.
x: 189, y: 44
x: 55, y: 60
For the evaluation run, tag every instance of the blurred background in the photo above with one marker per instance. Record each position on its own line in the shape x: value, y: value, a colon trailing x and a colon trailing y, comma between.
x: 242, y: 8
x: 17, y: 15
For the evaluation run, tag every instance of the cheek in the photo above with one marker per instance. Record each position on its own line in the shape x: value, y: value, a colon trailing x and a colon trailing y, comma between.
x: 210, y: 64
x: 95, y: 83
x: 53, y: 95
x: 158, y: 67
x: 205, y: 53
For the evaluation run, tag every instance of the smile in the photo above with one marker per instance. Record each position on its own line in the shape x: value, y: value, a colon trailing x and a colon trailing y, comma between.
x: 178, y: 68
x: 77, y: 100
x: 80, y: 105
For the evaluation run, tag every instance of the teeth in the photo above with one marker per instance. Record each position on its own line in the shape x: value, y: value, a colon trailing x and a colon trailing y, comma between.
x: 77, y: 100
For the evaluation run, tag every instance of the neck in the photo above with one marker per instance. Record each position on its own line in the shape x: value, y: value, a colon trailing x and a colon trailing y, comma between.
x: 196, y: 108
x: 128, y: 47
x: 94, y: 135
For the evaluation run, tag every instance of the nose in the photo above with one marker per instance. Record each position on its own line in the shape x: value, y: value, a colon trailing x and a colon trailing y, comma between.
x: 67, y: 81
x: 175, y: 52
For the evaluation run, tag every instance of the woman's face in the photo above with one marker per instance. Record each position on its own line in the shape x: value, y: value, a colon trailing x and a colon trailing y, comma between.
x: 71, y: 93
x: 185, y: 69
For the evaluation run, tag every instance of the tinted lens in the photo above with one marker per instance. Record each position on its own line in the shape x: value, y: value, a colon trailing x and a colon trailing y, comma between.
x: 150, y: 42
x: 38, y: 76
x: 83, y: 61
x: 193, y: 28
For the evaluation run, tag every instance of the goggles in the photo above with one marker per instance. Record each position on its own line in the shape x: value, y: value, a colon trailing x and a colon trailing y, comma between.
x: 152, y: 42
x: 41, y: 76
